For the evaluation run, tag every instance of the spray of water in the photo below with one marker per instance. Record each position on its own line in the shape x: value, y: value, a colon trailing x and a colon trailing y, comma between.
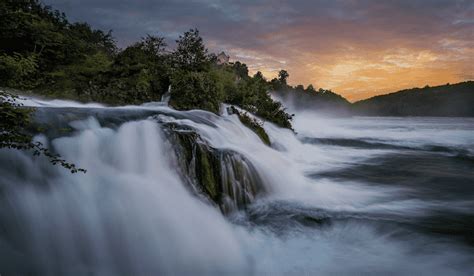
x: 132, y: 213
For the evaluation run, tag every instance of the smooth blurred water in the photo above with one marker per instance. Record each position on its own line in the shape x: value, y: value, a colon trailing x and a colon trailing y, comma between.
x: 345, y: 196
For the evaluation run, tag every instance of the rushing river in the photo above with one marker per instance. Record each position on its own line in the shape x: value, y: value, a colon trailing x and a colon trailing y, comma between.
x: 343, y: 196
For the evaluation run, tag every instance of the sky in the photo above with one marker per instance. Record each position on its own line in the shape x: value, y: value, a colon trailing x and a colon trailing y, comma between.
x: 355, y: 48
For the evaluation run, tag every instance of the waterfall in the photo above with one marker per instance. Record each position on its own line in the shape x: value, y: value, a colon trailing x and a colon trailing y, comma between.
x: 117, y: 217
x: 166, y: 97
x: 150, y: 194
x: 191, y: 192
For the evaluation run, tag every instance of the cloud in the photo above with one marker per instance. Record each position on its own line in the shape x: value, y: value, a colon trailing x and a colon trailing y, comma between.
x: 356, y: 48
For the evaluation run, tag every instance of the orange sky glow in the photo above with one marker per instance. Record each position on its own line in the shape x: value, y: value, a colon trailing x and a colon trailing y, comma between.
x: 357, y: 74
x: 357, y: 48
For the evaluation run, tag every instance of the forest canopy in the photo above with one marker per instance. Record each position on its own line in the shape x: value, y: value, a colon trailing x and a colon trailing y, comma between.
x: 40, y: 50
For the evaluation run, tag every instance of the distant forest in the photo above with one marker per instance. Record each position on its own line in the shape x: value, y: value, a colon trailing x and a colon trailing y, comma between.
x: 41, y: 51
x: 453, y: 100
x: 450, y: 100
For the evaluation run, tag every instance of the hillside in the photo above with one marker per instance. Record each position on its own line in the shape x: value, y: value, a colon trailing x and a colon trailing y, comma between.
x: 322, y: 101
x: 43, y: 52
x: 450, y: 100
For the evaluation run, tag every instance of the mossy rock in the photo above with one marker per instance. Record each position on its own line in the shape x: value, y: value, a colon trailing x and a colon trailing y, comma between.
x: 198, y: 160
x: 253, y: 124
x: 208, y: 172
x: 224, y: 177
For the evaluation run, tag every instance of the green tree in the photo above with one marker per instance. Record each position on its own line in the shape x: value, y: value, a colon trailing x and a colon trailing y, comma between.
x: 299, y: 87
x: 310, y: 89
x: 259, y: 76
x: 18, y: 70
x: 240, y: 69
x: 136, y: 74
x: 14, y: 119
x: 41, y: 50
x: 254, y: 97
x: 283, y: 76
x: 191, y: 54
x: 196, y: 90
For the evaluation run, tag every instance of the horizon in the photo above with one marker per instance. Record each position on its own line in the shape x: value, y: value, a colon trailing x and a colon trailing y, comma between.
x: 358, y: 49
x: 149, y: 152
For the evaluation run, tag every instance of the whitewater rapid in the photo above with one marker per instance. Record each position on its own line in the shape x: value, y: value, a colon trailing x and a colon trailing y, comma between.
x: 132, y: 213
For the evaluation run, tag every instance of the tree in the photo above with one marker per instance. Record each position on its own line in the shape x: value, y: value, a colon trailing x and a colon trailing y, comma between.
x: 154, y: 46
x: 241, y: 70
x: 42, y: 51
x: 310, y: 89
x: 283, y: 76
x: 196, y: 90
x: 14, y: 119
x: 139, y: 73
x: 46, y: 52
x: 191, y: 53
x: 259, y: 76
x: 18, y: 70
x: 299, y: 87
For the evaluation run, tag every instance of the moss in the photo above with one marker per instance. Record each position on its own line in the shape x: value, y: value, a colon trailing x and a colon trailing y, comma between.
x: 254, y: 125
x: 224, y: 177
x: 187, y: 142
x: 200, y: 161
x: 207, y: 172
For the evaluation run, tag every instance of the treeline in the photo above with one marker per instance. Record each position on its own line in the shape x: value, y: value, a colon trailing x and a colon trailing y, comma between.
x: 41, y: 50
x: 450, y: 100
x: 300, y: 98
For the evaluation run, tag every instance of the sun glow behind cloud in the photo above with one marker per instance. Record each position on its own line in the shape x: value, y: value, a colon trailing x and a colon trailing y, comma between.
x: 358, y: 74
x: 358, y: 48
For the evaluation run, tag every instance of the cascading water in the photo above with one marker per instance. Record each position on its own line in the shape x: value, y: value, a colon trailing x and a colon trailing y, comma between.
x: 166, y: 97
x: 170, y: 192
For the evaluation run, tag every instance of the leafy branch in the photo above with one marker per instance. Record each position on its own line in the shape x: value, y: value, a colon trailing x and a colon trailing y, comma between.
x: 13, y: 120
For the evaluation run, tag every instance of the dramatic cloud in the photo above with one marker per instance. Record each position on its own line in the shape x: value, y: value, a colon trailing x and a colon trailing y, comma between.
x: 356, y: 48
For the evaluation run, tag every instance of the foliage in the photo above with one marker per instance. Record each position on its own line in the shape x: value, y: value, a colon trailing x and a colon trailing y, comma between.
x: 444, y: 100
x: 259, y: 101
x: 283, y: 76
x: 322, y: 100
x: 259, y: 76
x: 299, y: 88
x: 205, y: 87
x: 241, y: 70
x: 13, y: 121
x: 41, y: 50
x: 16, y: 69
x: 191, y: 53
x: 196, y: 90
x: 138, y: 74
x: 253, y: 124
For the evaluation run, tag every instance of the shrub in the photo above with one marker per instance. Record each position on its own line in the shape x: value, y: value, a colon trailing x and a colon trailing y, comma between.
x: 196, y: 90
x: 252, y: 124
x: 16, y: 69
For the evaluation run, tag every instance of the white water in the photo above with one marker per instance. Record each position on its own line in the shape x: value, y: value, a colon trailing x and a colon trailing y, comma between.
x: 131, y: 213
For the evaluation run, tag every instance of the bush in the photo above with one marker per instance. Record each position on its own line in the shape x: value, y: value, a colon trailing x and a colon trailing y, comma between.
x: 41, y: 50
x: 196, y: 90
x: 253, y: 96
x: 16, y: 70
x: 14, y: 120
x: 252, y: 124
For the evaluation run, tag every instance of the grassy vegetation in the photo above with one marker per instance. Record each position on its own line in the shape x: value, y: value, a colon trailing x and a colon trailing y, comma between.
x: 42, y: 51
x: 253, y: 124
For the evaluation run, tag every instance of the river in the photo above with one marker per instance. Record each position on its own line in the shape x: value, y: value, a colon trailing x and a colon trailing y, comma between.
x: 355, y: 195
